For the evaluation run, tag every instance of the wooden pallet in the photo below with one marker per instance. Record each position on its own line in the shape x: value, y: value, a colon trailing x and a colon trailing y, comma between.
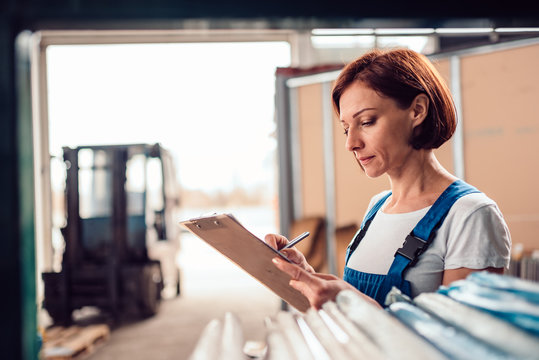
x: 60, y: 343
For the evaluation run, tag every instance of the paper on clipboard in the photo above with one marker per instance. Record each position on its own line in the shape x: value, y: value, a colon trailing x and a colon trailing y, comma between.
x: 224, y: 233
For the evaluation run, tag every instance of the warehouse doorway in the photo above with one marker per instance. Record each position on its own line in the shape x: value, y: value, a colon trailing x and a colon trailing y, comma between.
x: 150, y: 87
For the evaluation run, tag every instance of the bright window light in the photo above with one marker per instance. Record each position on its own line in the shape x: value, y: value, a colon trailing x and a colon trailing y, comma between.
x: 199, y: 100
x: 463, y: 30
x: 330, y: 42
x: 517, y: 29
x: 416, y: 43
x: 338, y: 32
x: 404, y: 31
x: 423, y: 44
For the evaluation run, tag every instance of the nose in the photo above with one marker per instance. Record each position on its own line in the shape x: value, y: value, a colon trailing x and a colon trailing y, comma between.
x: 353, y: 140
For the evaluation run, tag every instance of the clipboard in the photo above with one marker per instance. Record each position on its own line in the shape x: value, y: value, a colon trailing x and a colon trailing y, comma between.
x: 224, y: 233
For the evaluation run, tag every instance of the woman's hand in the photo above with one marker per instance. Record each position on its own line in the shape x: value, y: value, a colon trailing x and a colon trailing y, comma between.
x: 317, y: 288
x: 278, y: 242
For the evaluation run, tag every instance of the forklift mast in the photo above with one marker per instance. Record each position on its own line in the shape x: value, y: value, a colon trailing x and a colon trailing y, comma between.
x: 120, y: 202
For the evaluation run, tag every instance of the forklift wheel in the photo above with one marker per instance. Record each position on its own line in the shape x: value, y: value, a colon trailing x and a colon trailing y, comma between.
x: 178, y: 284
x: 60, y: 317
x: 150, y: 292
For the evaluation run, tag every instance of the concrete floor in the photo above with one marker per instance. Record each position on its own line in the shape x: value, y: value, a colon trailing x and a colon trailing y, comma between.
x: 211, y: 286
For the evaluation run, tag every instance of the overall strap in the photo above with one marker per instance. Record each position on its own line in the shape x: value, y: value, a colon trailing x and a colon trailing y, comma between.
x: 420, y: 237
x: 436, y: 215
x: 365, y: 226
x: 375, y: 208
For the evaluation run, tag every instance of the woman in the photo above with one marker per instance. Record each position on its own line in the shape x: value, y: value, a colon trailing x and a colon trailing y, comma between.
x: 395, y: 110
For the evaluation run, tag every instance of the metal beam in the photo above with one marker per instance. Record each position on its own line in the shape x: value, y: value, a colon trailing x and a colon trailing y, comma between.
x: 329, y: 172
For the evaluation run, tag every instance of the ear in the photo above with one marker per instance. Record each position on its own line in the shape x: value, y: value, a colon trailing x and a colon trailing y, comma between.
x: 419, y: 109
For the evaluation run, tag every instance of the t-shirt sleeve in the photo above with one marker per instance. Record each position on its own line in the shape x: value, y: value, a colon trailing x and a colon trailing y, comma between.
x: 480, y: 239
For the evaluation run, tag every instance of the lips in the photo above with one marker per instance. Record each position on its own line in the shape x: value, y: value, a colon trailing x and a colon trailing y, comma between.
x: 364, y: 160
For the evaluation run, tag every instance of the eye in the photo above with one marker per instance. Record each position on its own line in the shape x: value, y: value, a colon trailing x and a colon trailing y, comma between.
x: 346, y: 132
x: 368, y: 122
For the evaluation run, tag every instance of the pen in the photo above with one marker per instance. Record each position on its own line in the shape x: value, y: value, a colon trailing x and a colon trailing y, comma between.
x: 296, y: 240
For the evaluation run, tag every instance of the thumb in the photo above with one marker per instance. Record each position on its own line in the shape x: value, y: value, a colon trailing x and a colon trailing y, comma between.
x: 275, y: 241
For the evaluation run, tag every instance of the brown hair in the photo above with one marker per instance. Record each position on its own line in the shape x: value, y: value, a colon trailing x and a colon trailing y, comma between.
x: 401, y: 75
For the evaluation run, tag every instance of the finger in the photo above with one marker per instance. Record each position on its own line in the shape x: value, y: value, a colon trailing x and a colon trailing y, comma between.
x: 300, y: 280
x: 297, y: 257
x: 315, y: 287
x: 293, y: 255
x: 313, y: 290
x: 275, y: 241
x: 326, y: 276
x: 294, y: 271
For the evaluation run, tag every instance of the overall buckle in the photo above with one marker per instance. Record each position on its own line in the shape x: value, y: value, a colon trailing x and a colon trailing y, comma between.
x: 412, y: 248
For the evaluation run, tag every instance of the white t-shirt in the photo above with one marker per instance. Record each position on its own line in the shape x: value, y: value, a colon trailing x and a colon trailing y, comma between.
x: 473, y: 235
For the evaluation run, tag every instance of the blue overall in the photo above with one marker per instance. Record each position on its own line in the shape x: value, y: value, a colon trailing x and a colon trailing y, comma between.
x: 377, y: 286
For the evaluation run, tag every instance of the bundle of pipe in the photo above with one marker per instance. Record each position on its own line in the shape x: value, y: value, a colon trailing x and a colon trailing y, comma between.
x: 480, y: 325
x: 477, y: 318
x: 349, y: 328
x: 222, y: 340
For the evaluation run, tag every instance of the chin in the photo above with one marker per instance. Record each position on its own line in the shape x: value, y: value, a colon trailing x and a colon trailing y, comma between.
x: 373, y: 176
x: 373, y: 173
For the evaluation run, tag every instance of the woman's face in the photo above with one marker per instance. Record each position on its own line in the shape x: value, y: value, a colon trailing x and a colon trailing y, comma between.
x: 377, y: 130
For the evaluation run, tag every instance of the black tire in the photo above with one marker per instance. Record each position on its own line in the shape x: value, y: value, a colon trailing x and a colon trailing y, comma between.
x: 60, y: 317
x: 150, y: 297
x: 178, y: 284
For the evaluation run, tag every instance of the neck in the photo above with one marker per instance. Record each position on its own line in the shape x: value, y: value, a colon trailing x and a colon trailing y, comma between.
x: 418, y: 182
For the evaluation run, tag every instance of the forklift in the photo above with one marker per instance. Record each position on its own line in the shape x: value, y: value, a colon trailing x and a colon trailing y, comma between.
x: 121, y: 237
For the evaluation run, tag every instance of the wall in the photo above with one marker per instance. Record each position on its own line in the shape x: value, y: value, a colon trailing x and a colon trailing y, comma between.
x: 311, y: 148
x: 500, y: 111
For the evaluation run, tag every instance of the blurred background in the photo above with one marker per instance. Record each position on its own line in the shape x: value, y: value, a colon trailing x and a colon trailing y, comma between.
x: 137, y: 126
